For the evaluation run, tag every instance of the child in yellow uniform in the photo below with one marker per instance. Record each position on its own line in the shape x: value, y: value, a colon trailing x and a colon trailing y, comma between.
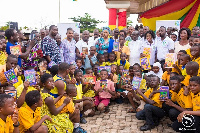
x: 60, y: 81
x: 30, y: 115
x: 184, y: 59
x: 88, y: 89
x: 101, y: 60
x: 153, y: 104
x: 192, y: 70
x: 123, y: 61
x: 74, y: 113
x: 8, y: 115
x: 112, y: 58
x: 195, y: 52
x: 166, y: 76
x: 60, y: 121
x: 178, y: 102
x: 178, y: 125
x: 177, y: 66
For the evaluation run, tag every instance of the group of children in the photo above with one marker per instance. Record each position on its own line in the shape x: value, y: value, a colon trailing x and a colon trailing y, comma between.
x: 61, y: 98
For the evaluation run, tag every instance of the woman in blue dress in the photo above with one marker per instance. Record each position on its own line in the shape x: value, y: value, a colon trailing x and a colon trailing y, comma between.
x: 104, y: 44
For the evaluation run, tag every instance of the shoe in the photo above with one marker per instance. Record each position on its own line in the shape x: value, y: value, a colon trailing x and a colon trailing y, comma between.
x: 83, y: 120
x: 79, y: 130
x: 146, y: 127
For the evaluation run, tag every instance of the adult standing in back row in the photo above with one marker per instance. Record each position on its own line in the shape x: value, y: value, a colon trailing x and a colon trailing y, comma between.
x: 68, y: 46
x: 164, y: 45
x: 49, y: 46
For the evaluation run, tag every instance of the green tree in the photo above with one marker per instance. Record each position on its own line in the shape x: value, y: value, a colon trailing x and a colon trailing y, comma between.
x: 5, y: 27
x: 87, y: 22
x: 129, y: 23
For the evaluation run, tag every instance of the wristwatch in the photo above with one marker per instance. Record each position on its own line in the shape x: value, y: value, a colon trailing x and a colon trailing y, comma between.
x: 16, y: 125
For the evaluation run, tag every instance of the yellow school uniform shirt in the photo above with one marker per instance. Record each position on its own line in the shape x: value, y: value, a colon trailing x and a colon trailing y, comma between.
x: 125, y: 50
x: 109, y: 64
x: 56, y: 78
x: 20, y: 89
x: 69, y: 108
x: 3, y: 58
x: 166, y: 76
x: 90, y: 92
x: 186, y: 80
x: 188, y: 52
x: 20, y: 81
x: 175, y: 70
x: 196, y: 101
x: 126, y: 64
x: 182, y: 100
x: 198, y: 61
x: 143, y: 84
x: 79, y: 91
x: 183, y: 72
x: 155, y: 97
x: 103, y: 64
x: 6, y: 127
x: 28, y: 117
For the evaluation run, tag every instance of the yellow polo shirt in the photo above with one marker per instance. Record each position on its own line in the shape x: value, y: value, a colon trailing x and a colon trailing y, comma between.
x: 27, y: 118
x: 69, y: 108
x: 155, y: 97
x: 182, y: 100
x: 6, y: 127
x: 79, y: 92
x: 175, y: 70
x: 196, y: 101
x: 126, y: 65
x: 186, y: 80
x: 166, y: 76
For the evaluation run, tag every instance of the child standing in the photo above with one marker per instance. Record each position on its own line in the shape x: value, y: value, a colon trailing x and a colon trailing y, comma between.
x: 29, y: 116
x: 195, y: 52
x: 101, y: 60
x: 91, y: 59
x: 184, y: 59
x: 122, y: 48
x: 103, y: 94
x: 123, y: 61
x: 8, y: 115
x: 177, y: 66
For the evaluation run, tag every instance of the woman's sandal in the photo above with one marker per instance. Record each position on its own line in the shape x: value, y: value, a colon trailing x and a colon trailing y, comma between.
x: 132, y: 110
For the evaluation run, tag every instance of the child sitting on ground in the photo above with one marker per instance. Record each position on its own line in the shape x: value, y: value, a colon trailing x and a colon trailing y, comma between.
x: 153, y: 104
x: 178, y: 125
x: 103, y: 91
x: 123, y: 61
x: 29, y: 116
x: 85, y: 103
x: 131, y: 92
x: 49, y: 108
x: 88, y: 89
x: 8, y: 115
x: 74, y: 113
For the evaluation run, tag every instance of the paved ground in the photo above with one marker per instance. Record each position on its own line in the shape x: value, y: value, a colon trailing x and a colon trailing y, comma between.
x: 119, y: 121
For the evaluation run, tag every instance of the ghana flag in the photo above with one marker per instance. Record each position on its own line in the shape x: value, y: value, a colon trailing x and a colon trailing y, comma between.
x: 188, y: 11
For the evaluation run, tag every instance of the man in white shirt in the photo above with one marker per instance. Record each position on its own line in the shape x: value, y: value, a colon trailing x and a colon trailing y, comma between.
x: 145, y: 29
x: 135, y: 47
x: 95, y: 37
x: 164, y: 45
x: 83, y: 43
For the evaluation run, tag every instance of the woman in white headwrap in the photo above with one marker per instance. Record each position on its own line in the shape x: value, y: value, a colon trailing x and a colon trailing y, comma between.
x: 156, y: 70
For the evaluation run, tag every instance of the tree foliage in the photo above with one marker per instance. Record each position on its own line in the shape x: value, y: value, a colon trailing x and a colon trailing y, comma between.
x: 87, y: 22
x: 5, y: 27
x: 129, y: 23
